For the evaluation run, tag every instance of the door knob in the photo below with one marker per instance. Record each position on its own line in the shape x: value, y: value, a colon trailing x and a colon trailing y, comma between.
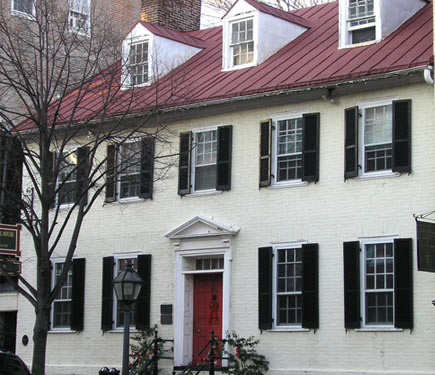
x: 198, y: 331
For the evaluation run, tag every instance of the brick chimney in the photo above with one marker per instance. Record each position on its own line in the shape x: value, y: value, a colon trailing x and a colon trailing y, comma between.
x: 183, y: 15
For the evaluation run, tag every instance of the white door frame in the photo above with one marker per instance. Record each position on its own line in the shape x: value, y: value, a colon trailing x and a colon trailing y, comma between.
x: 198, y: 238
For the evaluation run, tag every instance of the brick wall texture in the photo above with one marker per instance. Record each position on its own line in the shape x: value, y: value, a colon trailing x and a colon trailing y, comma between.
x: 181, y: 15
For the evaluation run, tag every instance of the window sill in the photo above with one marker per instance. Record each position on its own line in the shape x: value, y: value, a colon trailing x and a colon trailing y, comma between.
x: 8, y: 293
x: 129, y: 200
x: 63, y: 331
x: 288, y: 184
x: 121, y: 330
x: 289, y: 329
x: 27, y: 16
x: 379, y: 329
x: 204, y: 193
x: 370, y: 176
x: 356, y: 45
x: 238, y: 67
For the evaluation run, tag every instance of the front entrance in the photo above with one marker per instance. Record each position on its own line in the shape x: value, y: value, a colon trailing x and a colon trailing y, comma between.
x: 207, y: 311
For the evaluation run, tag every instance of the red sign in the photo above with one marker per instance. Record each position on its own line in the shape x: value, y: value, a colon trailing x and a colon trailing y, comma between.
x: 10, y: 239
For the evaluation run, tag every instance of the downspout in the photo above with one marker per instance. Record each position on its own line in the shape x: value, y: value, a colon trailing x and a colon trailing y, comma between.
x: 428, y: 75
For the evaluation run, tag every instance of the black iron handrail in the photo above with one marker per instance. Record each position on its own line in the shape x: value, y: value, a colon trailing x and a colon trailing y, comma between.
x: 209, y: 365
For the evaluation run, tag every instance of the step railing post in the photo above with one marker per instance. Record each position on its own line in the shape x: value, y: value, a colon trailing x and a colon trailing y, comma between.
x: 212, y: 353
x: 155, y: 354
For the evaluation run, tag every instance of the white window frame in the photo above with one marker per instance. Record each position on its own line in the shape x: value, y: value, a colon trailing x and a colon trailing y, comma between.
x: 119, y: 173
x: 227, y: 41
x: 361, y: 144
x: 83, y: 11
x: 67, y: 150
x: 193, y: 159
x: 53, y: 283
x: 363, y: 243
x: 23, y: 14
x: 274, y: 153
x: 116, y: 259
x: 276, y: 248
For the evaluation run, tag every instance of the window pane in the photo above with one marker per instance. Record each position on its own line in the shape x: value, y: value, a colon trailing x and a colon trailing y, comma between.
x: 138, y: 63
x: 120, y: 266
x: 379, y: 286
x: 205, y: 160
x: 242, y: 44
x: 129, y: 169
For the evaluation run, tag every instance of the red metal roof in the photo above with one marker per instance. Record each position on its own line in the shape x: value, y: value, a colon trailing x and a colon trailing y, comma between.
x: 311, y: 59
x: 178, y: 36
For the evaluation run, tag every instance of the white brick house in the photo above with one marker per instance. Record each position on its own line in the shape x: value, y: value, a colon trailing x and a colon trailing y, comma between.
x: 306, y: 145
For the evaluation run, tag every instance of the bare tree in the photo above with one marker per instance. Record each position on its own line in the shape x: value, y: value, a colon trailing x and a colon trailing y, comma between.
x: 43, y: 58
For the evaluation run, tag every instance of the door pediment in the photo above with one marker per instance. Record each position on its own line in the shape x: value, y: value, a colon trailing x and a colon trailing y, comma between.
x: 200, y: 226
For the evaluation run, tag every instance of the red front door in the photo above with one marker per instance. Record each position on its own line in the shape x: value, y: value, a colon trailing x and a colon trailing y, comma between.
x: 207, y: 311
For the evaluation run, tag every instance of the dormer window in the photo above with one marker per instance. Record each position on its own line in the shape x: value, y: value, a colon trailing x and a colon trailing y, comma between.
x: 242, y: 42
x: 362, y: 21
x: 138, y: 63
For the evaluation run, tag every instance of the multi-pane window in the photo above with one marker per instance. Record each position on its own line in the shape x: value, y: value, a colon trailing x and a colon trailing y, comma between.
x: 242, y: 42
x: 377, y: 138
x: 289, y: 149
x: 378, y: 284
x: 120, y: 315
x: 361, y: 21
x: 129, y: 169
x: 289, y: 287
x: 23, y: 6
x: 62, y: 303
x: 204, y: 154
x: 138, y: 63
x: 67, y: 180
x: 79, y: 16
x: 209, y: 264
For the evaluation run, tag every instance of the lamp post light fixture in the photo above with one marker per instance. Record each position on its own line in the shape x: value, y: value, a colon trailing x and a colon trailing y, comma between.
x: 127, y: 287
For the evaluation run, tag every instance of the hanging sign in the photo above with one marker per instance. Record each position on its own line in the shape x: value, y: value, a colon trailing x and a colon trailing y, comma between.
x: 426, y: 246
x: 10, y: 239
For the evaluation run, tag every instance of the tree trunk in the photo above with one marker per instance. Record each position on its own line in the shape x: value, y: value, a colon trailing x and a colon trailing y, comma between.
x: 42, y: 319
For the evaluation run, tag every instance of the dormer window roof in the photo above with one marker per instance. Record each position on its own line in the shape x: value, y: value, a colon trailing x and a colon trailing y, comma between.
x: 254, y: 31
x: 150, y: 51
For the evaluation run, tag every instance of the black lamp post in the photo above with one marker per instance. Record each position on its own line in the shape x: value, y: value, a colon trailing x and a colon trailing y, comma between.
x: 127, y: 287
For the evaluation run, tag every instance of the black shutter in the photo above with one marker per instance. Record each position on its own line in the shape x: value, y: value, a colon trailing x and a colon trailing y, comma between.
x: 143, y: 302
x: 310, y: 286
x: 147, y: 167
x: 265, y: 152
x: 184, y: 163
x: 82, y: 172
x: 265, y: 287
x: 403, y: 301
x: 107, y: 296
x: 310, y: 147
x: 111, y: 173
x: 78, y: 294
x: 352, y: 310
x: 351, y: 143
x: 224, y: 146
x: 402, y: 136
x: 11, y: 194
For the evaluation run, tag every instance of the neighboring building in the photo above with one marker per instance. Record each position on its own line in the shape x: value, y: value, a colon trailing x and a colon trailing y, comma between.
x: 123, y: 15
x: 306, y: 144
